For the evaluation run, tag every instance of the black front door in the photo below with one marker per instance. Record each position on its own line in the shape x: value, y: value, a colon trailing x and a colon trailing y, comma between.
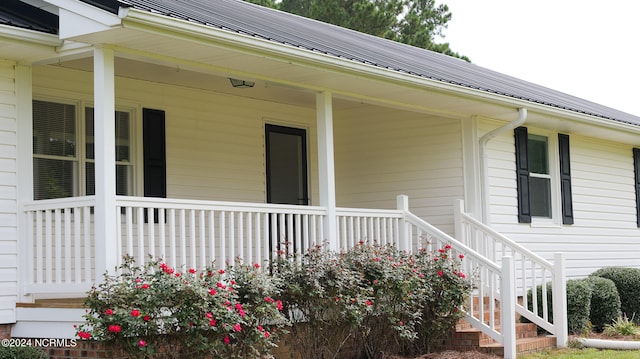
x: 286, y: 152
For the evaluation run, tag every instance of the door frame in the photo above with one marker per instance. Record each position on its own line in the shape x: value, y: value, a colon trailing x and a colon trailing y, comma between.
x: 296, y: 131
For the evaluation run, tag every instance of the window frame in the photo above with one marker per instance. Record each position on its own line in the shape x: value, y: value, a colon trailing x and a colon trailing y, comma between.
x: 80, y: 159
x: 553, y: 159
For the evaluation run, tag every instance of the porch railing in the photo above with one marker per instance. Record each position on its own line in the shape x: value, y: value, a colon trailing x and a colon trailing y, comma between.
x: 60, y: 254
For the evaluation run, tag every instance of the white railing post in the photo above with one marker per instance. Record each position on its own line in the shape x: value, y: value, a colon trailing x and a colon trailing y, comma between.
x: 403, y: 232
x: 559, y: 296
x: 508, y: 307
x: 458, y: 209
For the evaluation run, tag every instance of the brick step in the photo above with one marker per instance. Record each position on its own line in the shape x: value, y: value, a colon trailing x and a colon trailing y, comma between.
x: 467, y: 338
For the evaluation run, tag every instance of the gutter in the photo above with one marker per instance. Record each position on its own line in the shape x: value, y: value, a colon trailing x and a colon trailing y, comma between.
x: 484, y: 169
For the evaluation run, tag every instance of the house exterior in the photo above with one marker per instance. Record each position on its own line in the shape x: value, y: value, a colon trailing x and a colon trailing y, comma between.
x: 323, y: 121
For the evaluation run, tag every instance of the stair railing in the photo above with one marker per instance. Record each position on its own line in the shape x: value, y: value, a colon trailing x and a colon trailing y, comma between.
x: 532, y: 274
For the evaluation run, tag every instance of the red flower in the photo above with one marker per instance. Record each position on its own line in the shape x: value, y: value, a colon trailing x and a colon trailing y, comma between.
x: 220, y: 285
x: 145, y: 286
x: 440, y: 274
x: 461, y: 255
x: 108, y: 312
x: 221, y: 271
x: 192, y: 270
x: 461, y: 275
x: 266, y: 334
x: 448, y: 246
x: 135, y: 313
x: 146, y: 318
x: 269, y: 299
x: 256, y: 265
x: 237, y: 327
x: 279, y: 304
x: 84, y: 335
x: 226, y: 340
x: 212, y: 291
x: 368, y: 303
x: 178, y: 274
x: 142, y: 343
x: 260, y: 328
x: 114, y: 328
x: 441, y: 250
x: 213, y: 322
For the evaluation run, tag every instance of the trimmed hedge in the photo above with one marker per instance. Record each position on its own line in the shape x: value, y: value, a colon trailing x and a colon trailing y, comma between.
x: 578, y: 304
x: 627, y: 281
x: 605, y: 302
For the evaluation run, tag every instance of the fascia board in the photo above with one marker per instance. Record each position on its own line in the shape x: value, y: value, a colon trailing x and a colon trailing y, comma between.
x: 145, y: 21
x: 30, y: 36
x: 77, y: 18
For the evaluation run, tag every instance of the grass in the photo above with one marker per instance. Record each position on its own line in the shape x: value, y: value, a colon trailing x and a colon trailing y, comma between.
x: 589, y: 353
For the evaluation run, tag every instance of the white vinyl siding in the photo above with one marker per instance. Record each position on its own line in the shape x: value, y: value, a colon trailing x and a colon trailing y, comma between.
x: 215, y: 142
x: 604, y: 232
x: 8, y: 193
x: 383, y: 152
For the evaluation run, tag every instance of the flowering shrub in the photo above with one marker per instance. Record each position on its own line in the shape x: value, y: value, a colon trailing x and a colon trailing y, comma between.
x: 384, y: 300
x: 157, y: 311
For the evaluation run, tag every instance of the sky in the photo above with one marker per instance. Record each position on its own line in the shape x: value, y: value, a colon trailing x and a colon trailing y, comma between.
x: 586, y: 48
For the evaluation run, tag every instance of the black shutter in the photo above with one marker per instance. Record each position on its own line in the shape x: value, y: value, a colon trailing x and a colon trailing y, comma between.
x: 636, y: 170
x: 565, y: 179
x: 522, y: 174
x: 155, y: 158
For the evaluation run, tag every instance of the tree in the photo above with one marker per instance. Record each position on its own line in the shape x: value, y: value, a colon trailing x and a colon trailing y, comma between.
x: 413, y: 22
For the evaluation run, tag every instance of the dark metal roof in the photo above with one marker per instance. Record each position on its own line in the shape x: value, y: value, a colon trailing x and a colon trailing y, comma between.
x: 18, y: 14
x: 272, y: 25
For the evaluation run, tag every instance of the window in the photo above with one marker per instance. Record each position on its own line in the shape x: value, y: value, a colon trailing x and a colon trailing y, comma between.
x: 63, y: 159
x: 539, y: 175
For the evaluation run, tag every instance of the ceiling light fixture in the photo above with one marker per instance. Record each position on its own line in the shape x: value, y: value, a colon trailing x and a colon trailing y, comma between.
x: 241, y: 83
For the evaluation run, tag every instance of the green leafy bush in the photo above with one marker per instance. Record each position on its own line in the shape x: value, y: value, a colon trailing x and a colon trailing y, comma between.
x: 155, y: 310
x: 578, y: 304
x: 25, y: 352
x: 627, y: 281
x: 605, y: 302
x: 383, y: 300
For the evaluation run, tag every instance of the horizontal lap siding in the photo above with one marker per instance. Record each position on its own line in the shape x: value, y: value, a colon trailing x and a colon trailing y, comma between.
x: 382, y: 153
x: 8, y: 193
x: 215, y: 142
x: 604, y: 232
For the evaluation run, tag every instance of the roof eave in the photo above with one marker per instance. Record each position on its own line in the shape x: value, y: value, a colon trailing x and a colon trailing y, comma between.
x: 146, y: 21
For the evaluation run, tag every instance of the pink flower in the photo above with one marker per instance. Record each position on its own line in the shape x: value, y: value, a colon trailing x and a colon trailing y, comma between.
x: 268, y: 299
x: 440, y: 274
x: 220, y: 285
x: 260, y: 328
x: 368, y: 303
x: 461, y: 275
x: 226, y: 340
x: 192, y: 271
x: 142, y: 343
x: 138, y: 280
x: 256, y: 265
x: 108, y: 312
x: 279, y: 304
x: 84, y: 335
x: 266, y: 334
x: 213, y: 322
x: 135, y: 313
x: 114, y: 328
x: 209, y: 315
x: 237, y: 328
x: 461, y: 255
x: 221, y: 271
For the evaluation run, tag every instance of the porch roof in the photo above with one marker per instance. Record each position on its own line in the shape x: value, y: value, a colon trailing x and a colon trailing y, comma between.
x: 302, y: 33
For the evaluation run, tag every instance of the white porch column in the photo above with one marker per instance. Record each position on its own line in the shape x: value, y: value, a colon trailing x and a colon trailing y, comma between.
x: 326, y: 166
x: 105, y: 161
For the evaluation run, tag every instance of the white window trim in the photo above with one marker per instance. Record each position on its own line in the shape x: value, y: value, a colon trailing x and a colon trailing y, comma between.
x: 554, y: 176
x: 80, y: 159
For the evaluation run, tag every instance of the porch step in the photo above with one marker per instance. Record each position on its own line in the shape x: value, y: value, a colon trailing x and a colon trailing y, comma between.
x: 69, y: 303
x: 466, y: 338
